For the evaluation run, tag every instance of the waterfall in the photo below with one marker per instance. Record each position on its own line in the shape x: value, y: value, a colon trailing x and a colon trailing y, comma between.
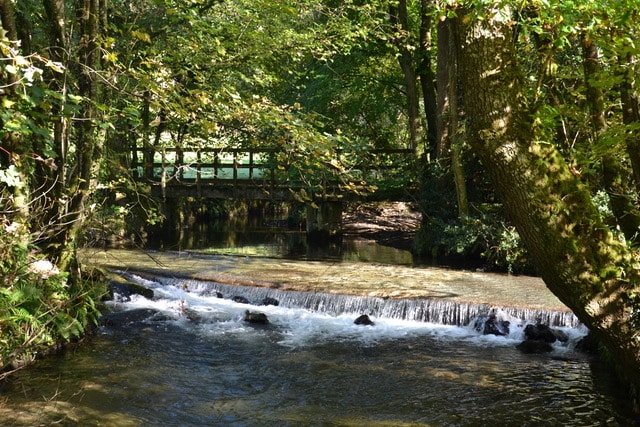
x: 435, y: 311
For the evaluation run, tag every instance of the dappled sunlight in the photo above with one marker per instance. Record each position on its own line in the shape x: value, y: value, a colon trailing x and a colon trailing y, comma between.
x: 188, y: 355
x: 56, y: 411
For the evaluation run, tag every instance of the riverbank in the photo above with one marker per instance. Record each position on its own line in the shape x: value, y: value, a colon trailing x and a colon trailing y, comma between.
x: 393, y: 224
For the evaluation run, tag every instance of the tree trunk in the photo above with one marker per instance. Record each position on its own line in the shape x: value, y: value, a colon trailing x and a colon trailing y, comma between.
x: 58, y: 43
x: 428, y: 78
x: 88, y: 149
x: 399, y: 19
x: 448, y: 143
x: 579, y: 259
x: 631, y: 115
x: 8, y: 19
x: 50, y: 184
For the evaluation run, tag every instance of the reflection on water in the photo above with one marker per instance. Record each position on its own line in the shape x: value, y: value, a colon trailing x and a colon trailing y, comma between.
x: 272, y: 238
x: 190, y: 360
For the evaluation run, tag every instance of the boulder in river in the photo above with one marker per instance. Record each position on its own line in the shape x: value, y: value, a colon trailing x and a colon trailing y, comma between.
x: 540, y: 332
x: 364, y: 320
x: 270, y: 301
x: 122, y: 291
x: 240, y: 299
x: 255, y: 317
x: 491, y: 325
x: 539, y: 338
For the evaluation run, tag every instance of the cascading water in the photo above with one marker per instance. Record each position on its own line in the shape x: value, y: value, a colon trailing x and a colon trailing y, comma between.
x: 186, y: 357
x: 440, y: 312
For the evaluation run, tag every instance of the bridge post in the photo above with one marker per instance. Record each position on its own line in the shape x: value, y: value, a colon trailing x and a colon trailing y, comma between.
x: 324, y: 222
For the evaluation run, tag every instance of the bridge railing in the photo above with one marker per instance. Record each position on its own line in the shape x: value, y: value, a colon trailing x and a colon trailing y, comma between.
x: 233, y: 167
x: 207, y: 164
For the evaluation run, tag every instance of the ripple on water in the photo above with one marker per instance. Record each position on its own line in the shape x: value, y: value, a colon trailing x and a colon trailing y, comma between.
x: 305, y: 369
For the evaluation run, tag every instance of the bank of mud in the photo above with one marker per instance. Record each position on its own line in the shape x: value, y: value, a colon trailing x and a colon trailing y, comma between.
x: 393, y: 224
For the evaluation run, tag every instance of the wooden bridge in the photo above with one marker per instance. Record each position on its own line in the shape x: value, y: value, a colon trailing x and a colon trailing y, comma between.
x: 255, y: 174
x: 244, y: 173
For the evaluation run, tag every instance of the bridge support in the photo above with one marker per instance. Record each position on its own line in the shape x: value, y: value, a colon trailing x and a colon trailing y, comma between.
x: 324, y: 222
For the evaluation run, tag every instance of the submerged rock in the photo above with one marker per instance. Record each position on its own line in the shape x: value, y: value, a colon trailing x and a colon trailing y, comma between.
x: 193, y: 315
x: 588, y: 344
x: 240, y: 299
x: 534, y: 347
x: 255, y: 317
x: 270, y: 301
x: 123, y: 318
x: 363, y: 320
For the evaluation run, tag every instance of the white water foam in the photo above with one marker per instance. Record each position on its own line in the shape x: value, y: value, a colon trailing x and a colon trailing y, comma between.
x: 293, y: 325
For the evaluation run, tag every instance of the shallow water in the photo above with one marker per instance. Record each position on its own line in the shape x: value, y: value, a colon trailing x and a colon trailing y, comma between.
x: 188, y: 358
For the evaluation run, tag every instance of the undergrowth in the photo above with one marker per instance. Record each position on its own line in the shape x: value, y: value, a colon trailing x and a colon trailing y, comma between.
x: 40, y: 307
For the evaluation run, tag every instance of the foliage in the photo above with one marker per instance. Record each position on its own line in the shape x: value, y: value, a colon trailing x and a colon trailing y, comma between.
x: 46, y: 164
x: 483, y: 237
x: 39, y: 306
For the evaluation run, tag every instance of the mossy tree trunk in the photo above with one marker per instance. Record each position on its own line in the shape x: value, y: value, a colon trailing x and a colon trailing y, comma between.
x: 79, y: 166
x: 630, y: 100
x: 579, y: 258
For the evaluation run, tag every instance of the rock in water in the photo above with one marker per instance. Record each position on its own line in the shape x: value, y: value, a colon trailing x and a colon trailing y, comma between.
x: 254, y: 317
x: 363, y: 320
x: 122, y: 291
x: 539, y: 338
x: 491, y: 325
x: 240, y: 299
x: 540, y: 332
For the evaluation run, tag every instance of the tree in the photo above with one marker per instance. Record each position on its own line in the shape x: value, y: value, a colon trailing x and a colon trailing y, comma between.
x: 50, y: 144
x: 579, y: 257
x: 402, y: 38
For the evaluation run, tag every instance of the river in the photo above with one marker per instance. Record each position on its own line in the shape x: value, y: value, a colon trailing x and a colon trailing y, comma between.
x: 187, y: 357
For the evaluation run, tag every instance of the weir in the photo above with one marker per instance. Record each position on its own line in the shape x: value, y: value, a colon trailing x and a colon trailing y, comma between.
x: 437, y: 311
x: 195, y: 354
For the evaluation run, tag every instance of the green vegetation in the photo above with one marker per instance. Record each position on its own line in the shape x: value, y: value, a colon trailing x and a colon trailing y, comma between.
x: 39, y: 307
x: 523, y: 117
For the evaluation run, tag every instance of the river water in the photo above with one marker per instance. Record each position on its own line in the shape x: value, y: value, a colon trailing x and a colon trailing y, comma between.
x: 186, y: 357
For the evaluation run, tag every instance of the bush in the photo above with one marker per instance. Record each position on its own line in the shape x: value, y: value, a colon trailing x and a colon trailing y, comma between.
x: 483, y: 237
